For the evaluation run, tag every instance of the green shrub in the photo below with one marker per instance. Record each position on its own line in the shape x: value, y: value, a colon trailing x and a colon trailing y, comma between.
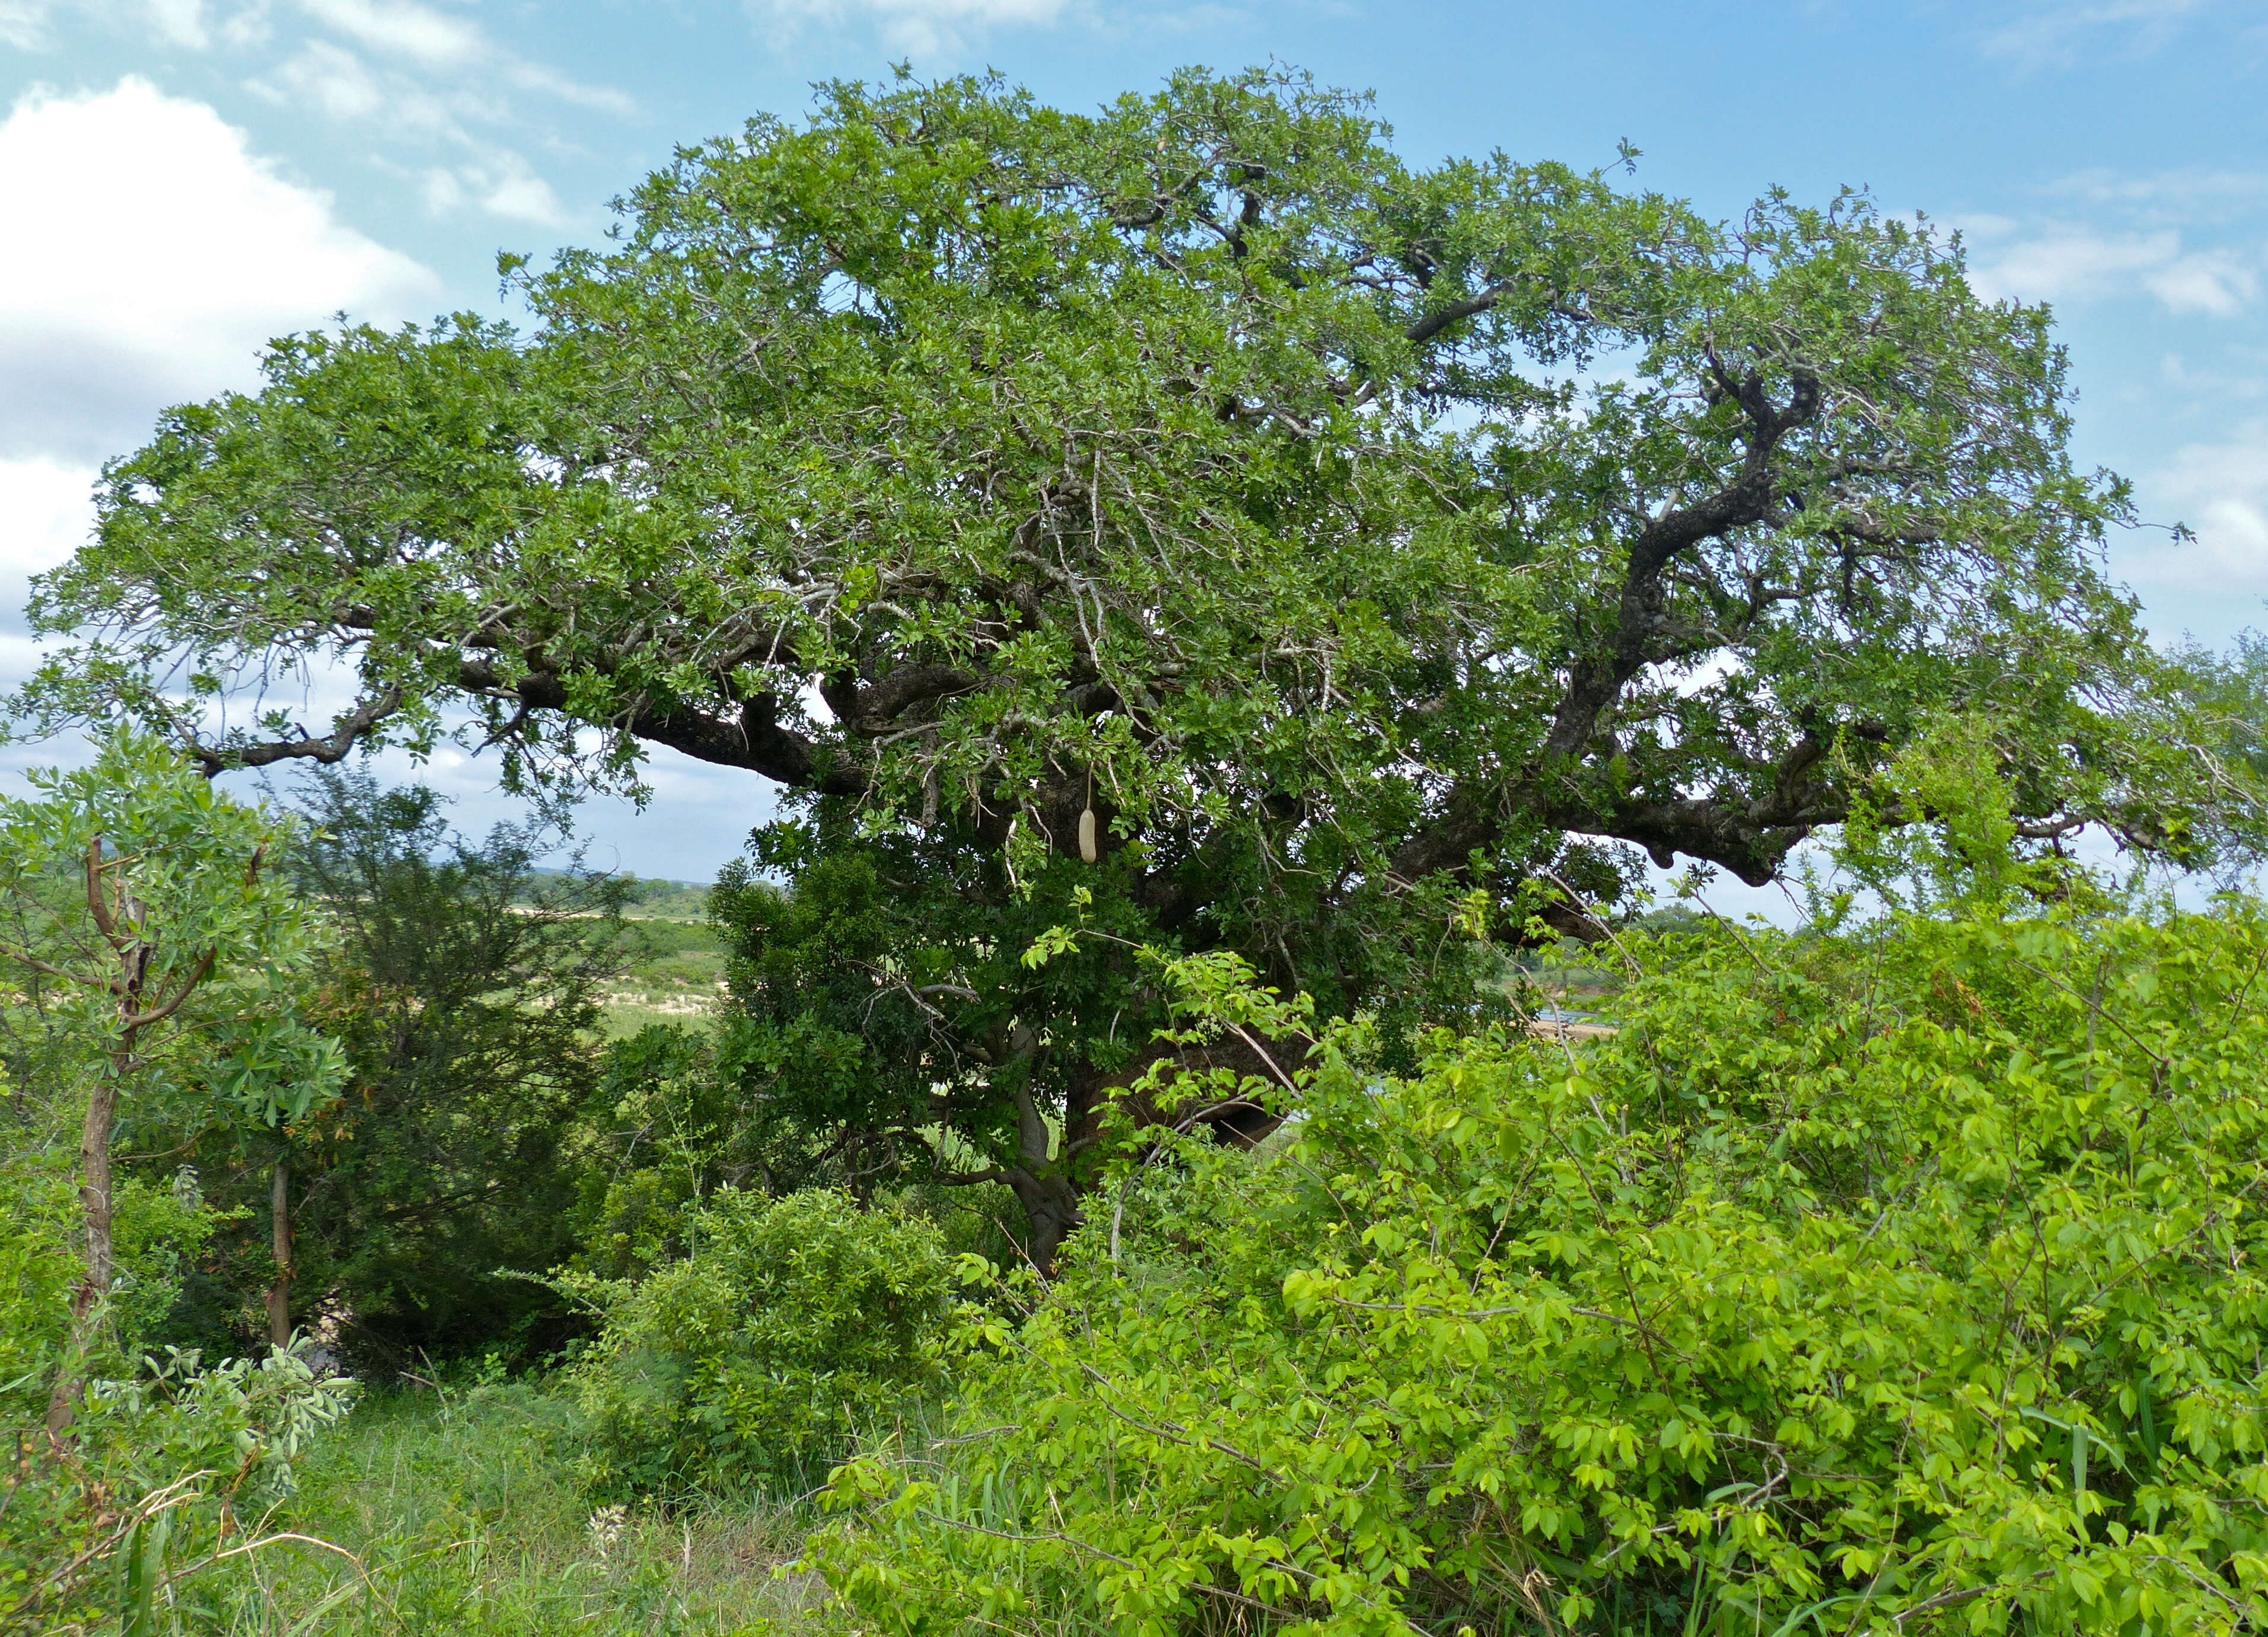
x: 158, y: 1232
x: 1911, y: 1281
x: 793, y: 1323
x: 37, y: 1269
x: 161, y: 1472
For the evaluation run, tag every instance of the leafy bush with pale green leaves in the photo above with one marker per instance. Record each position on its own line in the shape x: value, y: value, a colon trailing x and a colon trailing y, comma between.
x: 1907, y: 1279
x: 167, y: 1473
x: 793, y: 1323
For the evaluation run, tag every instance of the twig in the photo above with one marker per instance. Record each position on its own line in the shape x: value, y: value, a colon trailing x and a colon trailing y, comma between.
x: 1596, y: 919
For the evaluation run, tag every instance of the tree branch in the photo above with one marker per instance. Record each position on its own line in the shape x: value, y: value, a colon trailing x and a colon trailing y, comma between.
x: 24, y: 957
x: 158, y: 1013
x: 346, y: 732
x: 873, y: 708
x: 1640, y: 613
x: 755, y: 739
x: 1431, y: 325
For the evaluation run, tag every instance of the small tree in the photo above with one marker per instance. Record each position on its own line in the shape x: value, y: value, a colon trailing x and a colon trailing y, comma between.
x: 464, y: 989
x: 151, y: 900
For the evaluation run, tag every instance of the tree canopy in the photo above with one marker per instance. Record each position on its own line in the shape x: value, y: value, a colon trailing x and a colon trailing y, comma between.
x: 1190, y: 515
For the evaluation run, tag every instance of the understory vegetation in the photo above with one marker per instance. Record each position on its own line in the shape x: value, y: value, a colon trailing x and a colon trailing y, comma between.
x: 1898, y: 1271
x: 1203, y: 1111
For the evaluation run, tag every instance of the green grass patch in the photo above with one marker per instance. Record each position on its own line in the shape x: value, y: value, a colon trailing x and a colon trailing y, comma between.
x: 463, y: 1515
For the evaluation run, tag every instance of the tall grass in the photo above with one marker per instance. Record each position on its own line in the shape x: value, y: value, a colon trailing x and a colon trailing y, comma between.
x: 460, y: 1513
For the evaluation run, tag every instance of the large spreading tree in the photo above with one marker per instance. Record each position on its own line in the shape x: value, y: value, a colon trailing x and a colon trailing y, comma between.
x: 1190, y: 517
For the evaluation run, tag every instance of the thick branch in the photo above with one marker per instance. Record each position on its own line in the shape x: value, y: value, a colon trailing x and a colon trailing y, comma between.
x: 970, y: 1179
x: 873, y: 708
x: 346, y: 732
x: 755, y: 739
x: 97, y: 901
x: 1752, y: 842
x: 1433, y: 323
x: 1749, y: 836
x: 1469, y: 824
x: 1641, y: 615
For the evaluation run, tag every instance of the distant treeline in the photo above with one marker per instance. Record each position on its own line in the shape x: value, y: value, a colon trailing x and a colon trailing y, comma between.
x: 656, y: 900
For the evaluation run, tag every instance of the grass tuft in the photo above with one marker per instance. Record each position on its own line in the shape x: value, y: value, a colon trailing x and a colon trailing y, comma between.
x: 464, y: 1515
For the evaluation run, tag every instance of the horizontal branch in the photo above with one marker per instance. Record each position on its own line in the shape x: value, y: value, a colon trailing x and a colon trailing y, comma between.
x: 1433, y: 323
x: 347, y: 730
x: 752, y: 738
x: 24, y: 957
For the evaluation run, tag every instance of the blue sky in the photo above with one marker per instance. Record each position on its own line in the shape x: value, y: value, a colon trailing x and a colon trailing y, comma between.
x: 185, y: 177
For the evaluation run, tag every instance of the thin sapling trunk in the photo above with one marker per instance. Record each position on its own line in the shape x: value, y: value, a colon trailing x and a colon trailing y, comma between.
x: 279, y: 1294
x: 121, y: 919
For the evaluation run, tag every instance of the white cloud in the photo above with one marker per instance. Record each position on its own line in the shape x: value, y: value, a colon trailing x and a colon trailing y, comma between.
x: 506, y: 188
x: 2222, y: 489
x: 46, y: 509
x: 2186, y: 198
x: 180, y: 22
x: 2235, y: 375
x: 918, y: 27
x: 445, y: 86
x: 2068, y: 262
x: 330, y: 81
x: 426, y: 37
x: 167, y: 255
x: 2209, y: 281
x: 2218, y: 581
x: 2060, y: 31
x: 249, y: 25
x: 451, y: 46
x: 48, y: 506
x: 24, y: 23
x: 534, y: 77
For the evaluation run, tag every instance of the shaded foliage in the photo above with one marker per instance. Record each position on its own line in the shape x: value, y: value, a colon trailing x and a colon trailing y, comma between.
x: 463, y: 988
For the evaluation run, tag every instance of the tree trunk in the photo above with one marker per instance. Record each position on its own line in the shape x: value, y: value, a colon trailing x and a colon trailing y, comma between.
x: 95, y: 1192
x: 279, y: 1294
x: 1043, y: 1183
x: 121, y: 918
x: 1051, y: 1211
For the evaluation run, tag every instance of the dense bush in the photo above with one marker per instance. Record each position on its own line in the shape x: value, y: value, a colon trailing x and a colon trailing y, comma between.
x: 1908, y: 1281
x: 792, y: 1324
x: 164, y: 1471
x: 668, y: 1133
